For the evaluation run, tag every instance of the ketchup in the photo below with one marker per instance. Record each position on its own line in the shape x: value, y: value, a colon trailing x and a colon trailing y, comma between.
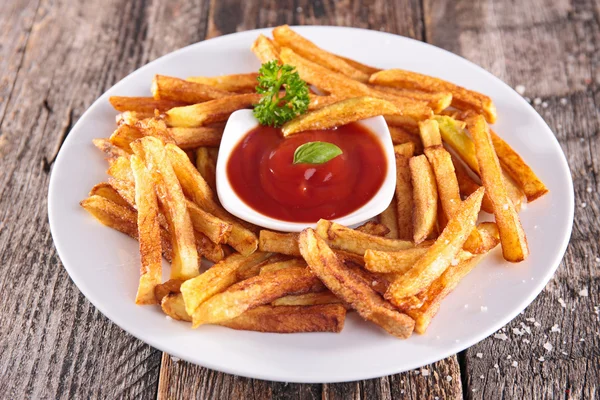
x: 262, y: 172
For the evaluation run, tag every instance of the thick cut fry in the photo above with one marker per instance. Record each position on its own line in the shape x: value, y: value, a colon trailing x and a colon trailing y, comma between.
x: 148, y: 233
x: 250, y: 270
x: 373, y: 228
x: 213, y: 252
x: 291, y: 319
x: 308, y: 299
x: 145, y: 105
x: 425, y: 198
x: 216, y: 229
x: 293, y: 263
x: 389, y: 218
x: 238, y: 83
x: 341, y: 86
x: 175, y: 89
x: 359, y: 66
x: 393, y: 261
x: 408, y: 124
x: 254, y: 292
x: 120, y: 168
x: 264, y: 49
x: 216, y: 279
x: 512, y: 236
x: 461, y: 97
x: 517, y: 169
x: 275, y: 242
x: 286, y: 37
x: 196, y: 188
x: 124, y: 135
x: 439, y: 256
x: 173, y: 306
x: 185, y: 255
x: 468, y: 186
x: 105, y: 189
x: 156, y: 128
x: 169, y: 287
x: 132, y: 117
x: 401, y: 136
x: 350, y: 288
x: 404, y: 191
x: 111, y: 151
x: 343, y: 238
x: 438, y: 101
x: 191, y: 138
x: 430, y: 133
x: 210, y: 111
x: 338, y: 114
x: 207, y: 166
x: 317, y: 102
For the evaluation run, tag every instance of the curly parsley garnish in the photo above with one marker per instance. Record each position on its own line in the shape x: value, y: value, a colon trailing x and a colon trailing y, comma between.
x: 276, y: 108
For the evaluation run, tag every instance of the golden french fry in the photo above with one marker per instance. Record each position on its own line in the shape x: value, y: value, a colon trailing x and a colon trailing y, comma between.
x: 124, y: 135
x: 338, y: 114
x: 186, y: 92
x: 404, y: 191
x: 237, y: 83
x: 349, y: 258
x: 265, y: 49
x: 430, y: 133
x: 112, y: 152
x: 512, y: 236
x: 172, y: 286
x: 120, y: 168
x: 440, y: 255
x: 275, y: 242
x: 154, y: 127
x: 286, y: 37
x: 373, y: 228
x: 132, y: 117
x: 185, y: 255
x: 461, y: 97
x: 105, y: 189
x: 308, y: 299
x: 216, y: 279
x: 148, y: 232
x: 389, y: 218
x: 250, y: 270
x: 361, y: 67
x: 517, y: 169
x: 490, y: 237
x: 468, y: 186
x: 393, y: 261
x: 438, y: 101
x: 291, y: 319
x: 317, y: 102
x: 425, y: 198
x: 254, y: 292
x: 173, y: 306
x: 191, y: 138
x: 408, y: 124
x: 216, y: 229
x: 206, y: 248
x: 401, y: 136
x: 210, y: 111
x: 145, y: 105
x: 207, y: 166
x: 350, y: 288
x: 343, y: 238
x: 293, y: 263
x: 196, y: 188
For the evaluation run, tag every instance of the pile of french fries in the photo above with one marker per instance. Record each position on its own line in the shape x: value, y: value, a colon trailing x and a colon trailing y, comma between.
x: 394, y: 272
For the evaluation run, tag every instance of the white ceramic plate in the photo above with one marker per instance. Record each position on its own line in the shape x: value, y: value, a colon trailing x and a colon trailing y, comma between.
x: 104, y: 263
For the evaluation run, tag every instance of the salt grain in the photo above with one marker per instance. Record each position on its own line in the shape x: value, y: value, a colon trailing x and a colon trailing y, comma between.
x: 520, y: 89
x: 530, y: 319
x: 481, y: 377
x: 541, y: 359
x: 589, y: 189
x: 505, y: 207
x: 598, y: 259
x: 466, y: 306
x: 582, y: 340
x: 515, y: 364
x: 501, y: 336
x: 168, y: 318
x: 508, y: 357
x: 479, y: 355
x: 537, y: 101
x: 548, y: 346
x: 583, y: 205
x: 299, y: 9
x: 537, y: 324
x: 544, y: 105
x: 483, y: 309
x: 555, y: 328
x: 496, y: 366
x: 518, y: 332
x: 565, y: 353
x: 449, y: 378
x: 454, y: 262
x: 175, y: 359
x: 583, y: 292
x: 563, y: 101
x: 562, y: 303
x: 425, y: 372
x: 526, y: 341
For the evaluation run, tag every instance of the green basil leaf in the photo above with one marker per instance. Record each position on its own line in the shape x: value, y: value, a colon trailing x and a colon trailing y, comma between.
x: 316, y: 153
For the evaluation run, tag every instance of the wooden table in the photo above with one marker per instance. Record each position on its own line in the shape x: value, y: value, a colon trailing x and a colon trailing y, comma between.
x: 57, y: 57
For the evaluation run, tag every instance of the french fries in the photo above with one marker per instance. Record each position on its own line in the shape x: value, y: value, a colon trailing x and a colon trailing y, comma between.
x: 430, y: 133
x: 404, y: 191
x: 264, y: 49
x: 308, y: 299
x: 512, y: 236
x: 439, y: 256
x: 284, y: 243
x: 425, y: 198
x: 461, y: 98
x: 437, y: 101
x: 207, y: 166
x: 172, y: 286
x: 106, y: 190
x: 237, y: 83
x: 389, y: 218
x: 216, y: 229
x: 351, y: 289
x: 373, y: 228
x: 275, y: 266
x: 191, y: 138
x: 393, y: 261
x: 155, y: 128
x: 145, y: 105
x: 175, y: 89
x: 111, y: 151
x: 338, y: 114
x: 209, y: 112
x: 174, y: 307
x: 286, y: 37
x: 401, y: 136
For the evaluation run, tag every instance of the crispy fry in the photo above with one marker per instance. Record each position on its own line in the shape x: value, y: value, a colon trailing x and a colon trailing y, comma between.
x: 373, y: 228
x: 216, y: 229
x: 105, y: 189
x: 156, y: 128
x: 408, y: 124
x: 338, y: 114
x: 468, y: 186
x: 350, y: 288
x: 148, y: 233
x: 377, y: 282
x: 343, y: 238
x: 438, y: 101
x: 291, y: 319
x: 112, y: 152
x: 196, y: 188
x: 237, y: 83
x: 389, y: 218
x: 425, y: 198
x: 216, y: 279
x: 430, y: 133
x: 265, y: 49
x: 308, y: 299
x: 207, y: 166
x: 317, y: 102
x: 275, y: 242
x: 173, y: 306
x: 185, y: 255
x: 254, y: 292
x: 169, y: 287
x: 439, y: 256
x: 211, y: 111
x: 286, y: 37
x: 132, y: 117
x: 186, y: 92
x: 293, y: 263
x: 191, y: 138
x: 512, y: 236
x: 250, y: 270
x: 213, y: 252
x: 361, y: 67
x: 145, y: 105
x: 120, y: 168
x: 490, y: 237
x: 401, y: 136
x: 124, y: 135
x: 461, y: 97
x: 404, y: 191
x: 393, y: 261
x: 349, y: 258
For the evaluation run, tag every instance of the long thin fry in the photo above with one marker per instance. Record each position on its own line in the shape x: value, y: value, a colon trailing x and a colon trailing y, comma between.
x: 264, y: 49
x: 142, y: 104
x: 389, y: 218
x: 425, y: 198
x: 175, y: 89
x: 404, y: 191
x: 238, y: 83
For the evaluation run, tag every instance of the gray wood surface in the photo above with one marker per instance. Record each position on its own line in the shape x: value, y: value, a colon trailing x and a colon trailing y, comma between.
x: 57, y: 57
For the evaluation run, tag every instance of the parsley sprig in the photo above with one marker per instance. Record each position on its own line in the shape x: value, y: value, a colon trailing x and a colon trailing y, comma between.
x: 275, y: 109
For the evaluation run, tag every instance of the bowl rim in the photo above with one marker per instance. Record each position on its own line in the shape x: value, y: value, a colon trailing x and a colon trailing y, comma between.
x: 242, y: 121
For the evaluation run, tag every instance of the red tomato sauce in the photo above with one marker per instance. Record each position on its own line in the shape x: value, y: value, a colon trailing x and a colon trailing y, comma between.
x: 262, y: 173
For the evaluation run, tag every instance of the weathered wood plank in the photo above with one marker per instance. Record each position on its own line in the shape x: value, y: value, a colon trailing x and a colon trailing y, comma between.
x: 549, y: 47
x: 56, y: 58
